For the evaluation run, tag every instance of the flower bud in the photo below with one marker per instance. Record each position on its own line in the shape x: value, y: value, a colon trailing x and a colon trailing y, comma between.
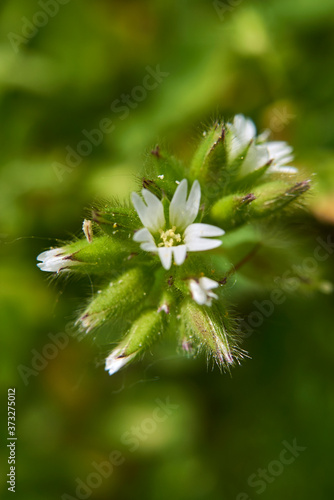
x: 97, y: 257
x: 274, y: 196
x: 207, y: 327
x: 116, y: 220
x: 209, y: 160
x: 141, y: 335
x: 233, y: 210
x: 124, y: 296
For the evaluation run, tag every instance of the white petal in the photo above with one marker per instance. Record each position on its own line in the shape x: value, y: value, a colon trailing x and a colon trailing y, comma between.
x: 180, y: 253
x: 155, y: 208
x: 244, y: 128
x: 143, y: 236
x: 261, y: 138
x: 54, y: 265
x: 243, y: 132
x: 282, y: 169
x: 115, y: 363
x: 201, y: 244
x: 279, y: 148
x: 54, y: 252
x: 193, y: 203
x: 198, y: 294
x: 151, y: 217
x: 140, y: 207
x: 280, y: 152
x: 201, y: 290
x: 208, y: 283
x: 202, y: 230
x: 165, y: 254
x: 257, y: 157
x: 248, y: 127
x: 149, y: 247
x: 178, y: 205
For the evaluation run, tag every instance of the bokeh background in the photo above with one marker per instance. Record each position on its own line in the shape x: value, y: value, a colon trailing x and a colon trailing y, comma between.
x: 271, y: 60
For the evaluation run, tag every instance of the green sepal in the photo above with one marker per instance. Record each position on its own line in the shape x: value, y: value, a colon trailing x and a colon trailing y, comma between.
x: 249, y: 180
x: 209, y: 162
x: 211, y: 329
x: 232, y: 211
x: 162, y: 170
x: 143, y: 332
x: 274, y: 196
x: 117, y: 221
x: 98, y: 257
x: 124, y: 296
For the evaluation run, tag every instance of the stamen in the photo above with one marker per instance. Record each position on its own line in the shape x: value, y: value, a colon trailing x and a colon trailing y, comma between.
x: 169, y: 237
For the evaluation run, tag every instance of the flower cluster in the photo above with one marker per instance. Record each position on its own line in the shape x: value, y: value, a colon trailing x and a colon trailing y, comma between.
x: 159, y: 259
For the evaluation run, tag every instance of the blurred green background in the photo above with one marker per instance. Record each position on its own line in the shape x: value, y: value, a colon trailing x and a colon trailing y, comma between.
x: 271, y: 60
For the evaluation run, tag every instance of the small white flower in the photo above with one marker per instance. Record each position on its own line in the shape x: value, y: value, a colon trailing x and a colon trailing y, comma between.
x: 54, y: 260
x: 201, y: 290
x: 260, y: 152
x: 181, y: 236
x: 115, y: 361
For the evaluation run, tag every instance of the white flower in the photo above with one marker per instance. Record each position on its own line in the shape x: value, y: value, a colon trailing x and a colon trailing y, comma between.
x: 201, y: 290
x: 181, y: 235
x: 115, y: 361
x: 243, y: 132
x: 54, y: 260
x: 260, y: 152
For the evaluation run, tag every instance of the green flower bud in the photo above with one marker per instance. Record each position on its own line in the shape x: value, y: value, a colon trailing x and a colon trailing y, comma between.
x: 140, y: 337
x: 209, y: 160
x: 206, y: 327
x: 97, y: 257
x: 274, y: 196
x: 124, y: 296
x: 117, y: 221
x: 232, y: 211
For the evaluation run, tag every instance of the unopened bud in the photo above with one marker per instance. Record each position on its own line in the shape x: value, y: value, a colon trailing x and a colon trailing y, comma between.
x: 206, y: 328
x: 274, y: 196
x: 233, y: 210
x: 210, y: 158
x: 97, y: 257
x: 123, y: 297
x: 141, y: 335
x: 120, y: 221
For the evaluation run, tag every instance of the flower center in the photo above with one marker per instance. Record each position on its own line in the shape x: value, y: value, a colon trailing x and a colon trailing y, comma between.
x: 169, y: 237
